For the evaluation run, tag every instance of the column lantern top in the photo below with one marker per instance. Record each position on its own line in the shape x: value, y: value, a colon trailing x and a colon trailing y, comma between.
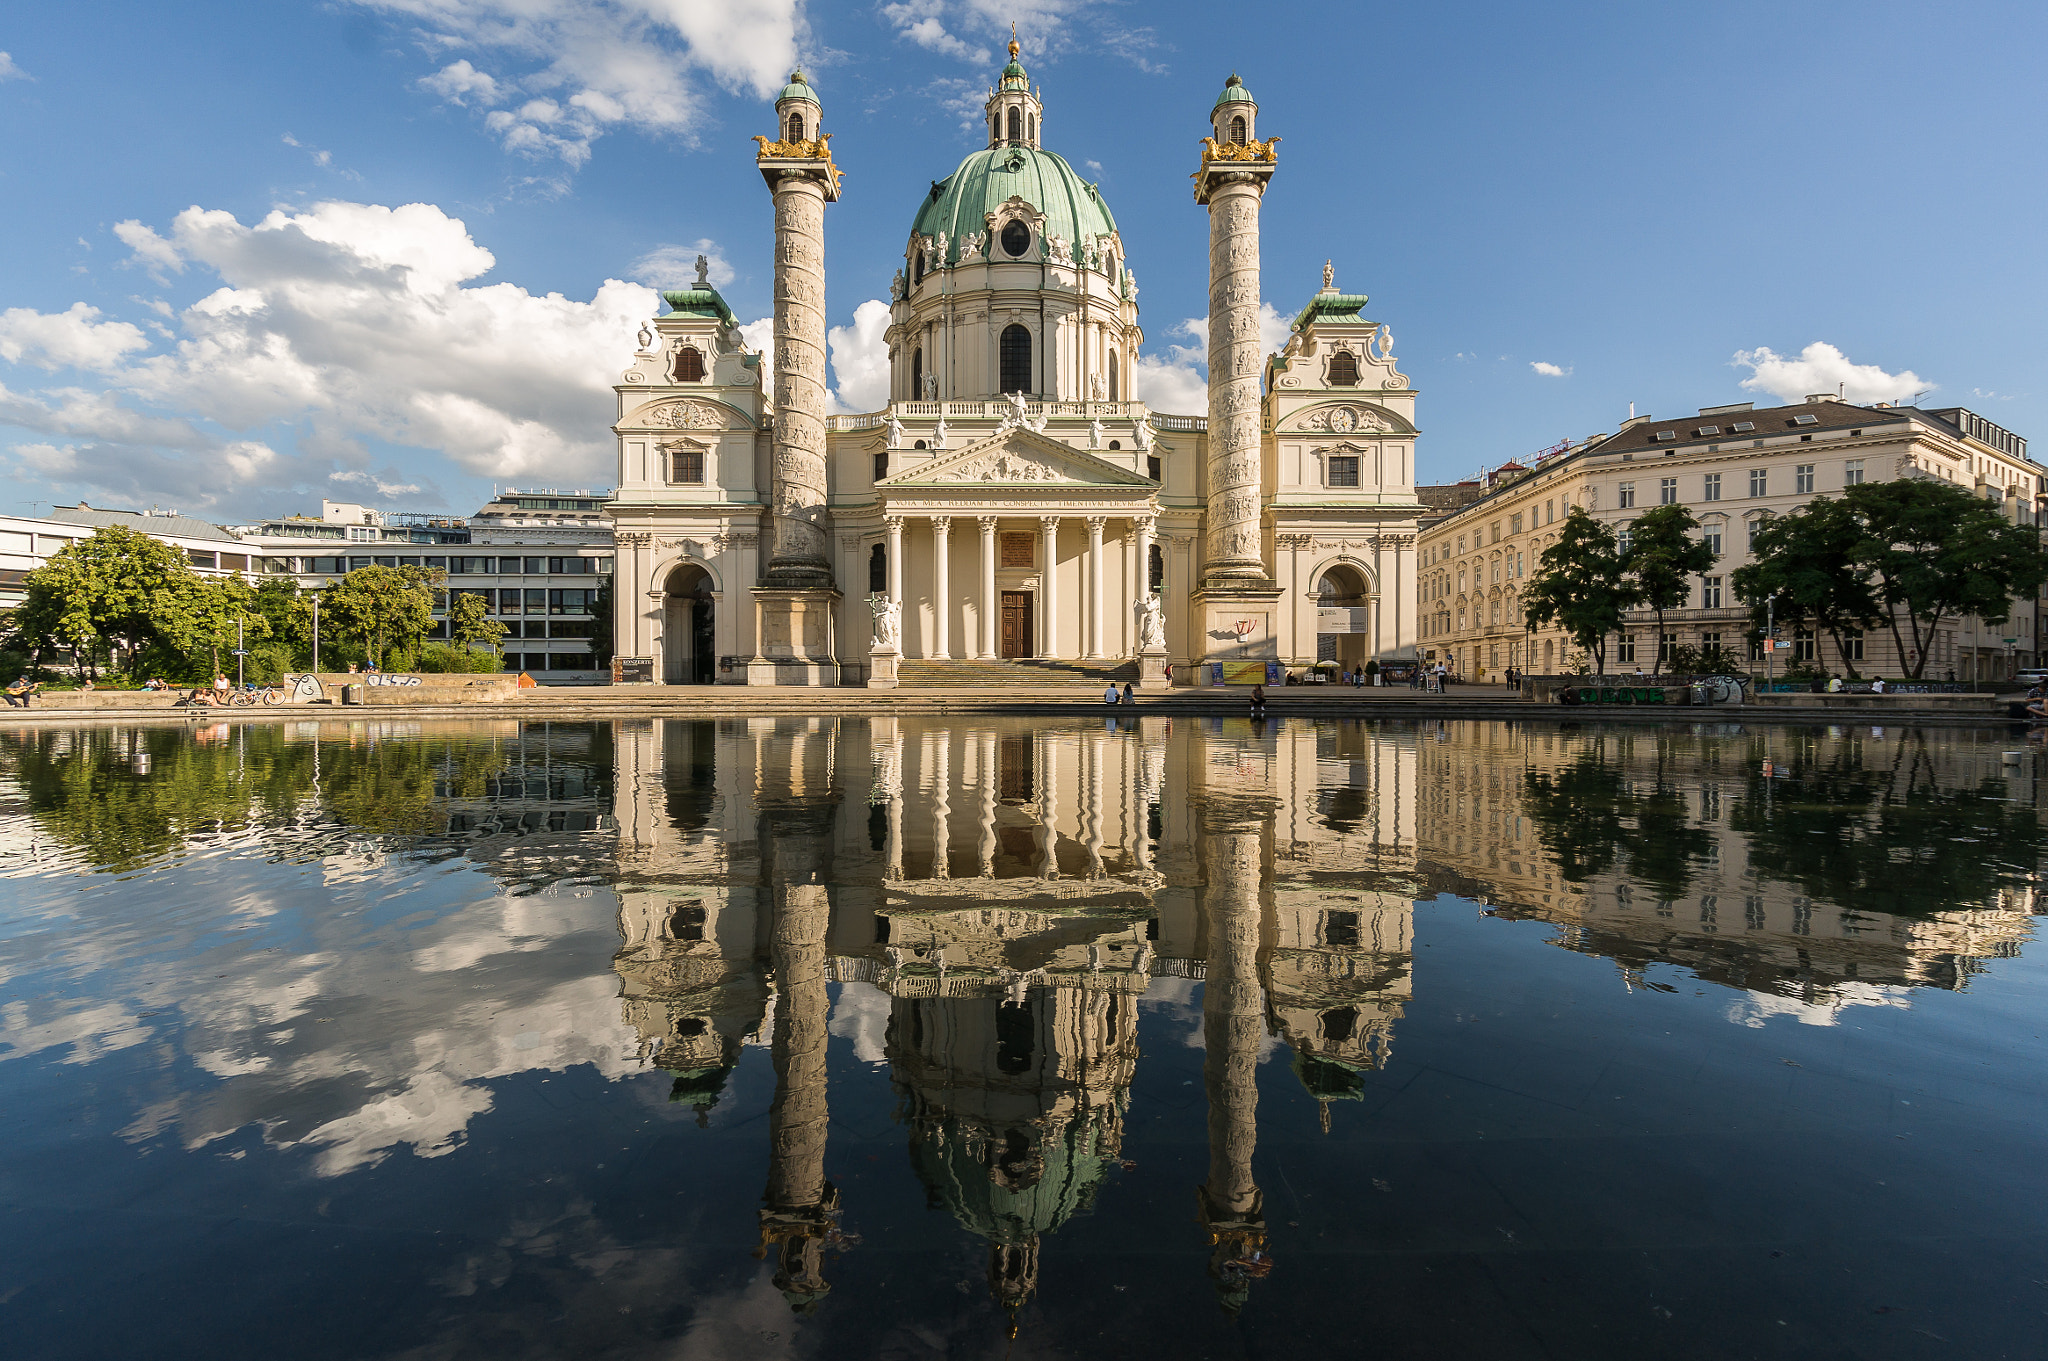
x: 801, y: 146
x: 1233, y: 152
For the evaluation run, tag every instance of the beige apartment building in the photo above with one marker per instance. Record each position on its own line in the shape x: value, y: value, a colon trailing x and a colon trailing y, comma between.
x: 1735, y: 467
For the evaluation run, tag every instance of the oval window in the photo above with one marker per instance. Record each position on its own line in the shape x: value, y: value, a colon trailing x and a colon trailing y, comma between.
x: 1016, y: 239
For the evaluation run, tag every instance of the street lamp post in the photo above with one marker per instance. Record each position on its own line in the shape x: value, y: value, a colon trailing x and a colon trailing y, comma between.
x: 316, y: 633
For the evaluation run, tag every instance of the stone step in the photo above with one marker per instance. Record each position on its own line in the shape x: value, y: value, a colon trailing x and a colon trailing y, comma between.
x: 919, y: 673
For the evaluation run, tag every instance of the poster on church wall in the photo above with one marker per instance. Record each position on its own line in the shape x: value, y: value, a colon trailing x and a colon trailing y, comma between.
x: 1343, y: 619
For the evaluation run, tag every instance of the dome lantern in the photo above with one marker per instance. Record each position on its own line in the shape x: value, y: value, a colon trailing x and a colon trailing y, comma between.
x: 1236, y: 114
x: 1014, y: 108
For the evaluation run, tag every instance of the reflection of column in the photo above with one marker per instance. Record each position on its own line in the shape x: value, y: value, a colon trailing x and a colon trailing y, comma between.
x: 988, y: 584
x: 801, y: 1203
x: 1232, y: 1023
x: 990, y: 775
x: 1049, y: 597
x: 942, y: 592
x: 1091, y: 803
x: 1095, y: 523
x: 940, y: 765
x: 1048, y: 808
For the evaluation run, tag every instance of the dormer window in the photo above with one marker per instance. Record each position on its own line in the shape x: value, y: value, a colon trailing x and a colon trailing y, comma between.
x: 1237, y: 130
x: 1343, y: 369
x: 689, y: 365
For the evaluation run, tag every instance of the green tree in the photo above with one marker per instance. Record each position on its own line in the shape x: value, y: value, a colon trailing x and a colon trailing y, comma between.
x: 1938, y: 552
x: 380, y: 608
x: 1662, y: 559
x: 116, y: 588
x: 1581, y: 582
x: 601, y: 641
x: 212, y: 614
x: 470, y: 624
x: 1807, y: 572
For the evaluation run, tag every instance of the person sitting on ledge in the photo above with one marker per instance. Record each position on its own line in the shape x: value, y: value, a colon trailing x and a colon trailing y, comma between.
x: 1877, y: 686
x: 1109, y: 696
x: 1258, y: 701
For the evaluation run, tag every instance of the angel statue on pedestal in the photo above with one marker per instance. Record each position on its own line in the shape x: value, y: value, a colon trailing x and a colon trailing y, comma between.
x: 888, y: 623
x: 1151, y: 624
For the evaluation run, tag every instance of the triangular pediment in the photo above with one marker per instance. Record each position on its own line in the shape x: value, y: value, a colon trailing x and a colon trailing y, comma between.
x: 1018, y: 457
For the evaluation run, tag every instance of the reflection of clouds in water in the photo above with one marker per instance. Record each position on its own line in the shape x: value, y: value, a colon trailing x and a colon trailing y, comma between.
x: 348, y: 1039
x: 1180, y: 999
x: 1756, y: 1008
x: 862, y: 1015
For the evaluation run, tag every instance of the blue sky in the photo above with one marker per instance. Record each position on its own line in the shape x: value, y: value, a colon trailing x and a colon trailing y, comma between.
x: 395, y: 250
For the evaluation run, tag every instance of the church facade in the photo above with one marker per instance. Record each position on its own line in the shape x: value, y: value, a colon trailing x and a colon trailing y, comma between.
x: 1016, y: 499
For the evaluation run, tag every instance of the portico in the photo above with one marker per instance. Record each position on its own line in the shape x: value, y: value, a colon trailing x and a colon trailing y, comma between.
x: 1054, y: 541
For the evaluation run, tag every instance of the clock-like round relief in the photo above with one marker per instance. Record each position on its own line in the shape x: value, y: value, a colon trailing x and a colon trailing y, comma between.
x: 1343, y: 418
x: 1016, y: 239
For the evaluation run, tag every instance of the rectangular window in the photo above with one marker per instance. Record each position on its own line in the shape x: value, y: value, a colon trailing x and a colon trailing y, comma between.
x: 387, y: 562
x: 1712, y: 539
x: 1514, y: 524
x: 489, y: 597
x: 1710, y: 642
x: 508, y: 602
x: 1712, y: 491
x: 1802, y: 478
x: 408, y: 562
x: 1625, y: 649
x: 1802, y: 644
x: 354, y: 563
x: 1852, y: 644
x: 200, y: 559
x: 1549, y: 512
x: 1625, y: 538
x: 1019, y: 550
x: 1625, y: 495
x: 1667, y: 491
x: 1710, y: 593
x: 1153, y: 467
x: 1666, y: 648
x: 1852, y: 472
x: 1759, y: 481
x: 437, y: 564
x: 577, y: 629
x: 1343, y: 470
x: 686, y: 465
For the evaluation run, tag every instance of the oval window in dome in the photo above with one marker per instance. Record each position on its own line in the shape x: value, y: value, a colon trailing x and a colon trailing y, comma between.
x: 1016, y: 239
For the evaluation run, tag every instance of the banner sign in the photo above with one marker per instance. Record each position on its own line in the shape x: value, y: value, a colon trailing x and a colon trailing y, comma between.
x: 1343, y: 619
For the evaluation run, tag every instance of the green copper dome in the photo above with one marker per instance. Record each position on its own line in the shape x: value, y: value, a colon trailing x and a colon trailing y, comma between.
x: 959, y: 204
x: 1234, y: 92
x: 797, y: 88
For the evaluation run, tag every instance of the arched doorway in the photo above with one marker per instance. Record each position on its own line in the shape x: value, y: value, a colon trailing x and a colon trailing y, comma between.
x: 1345, y: 587
x: 689, y: 654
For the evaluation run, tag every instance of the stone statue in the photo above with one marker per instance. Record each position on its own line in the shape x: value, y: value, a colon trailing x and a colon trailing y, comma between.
x: 895, y: 430
x: 1098, y: 387
x: 1329, y: 277
x: 931, y: 387
x: 939, y: 435
x: 888, y: 623
x: 703, y: 273
x: 1095, y: 433
x: 1143, y: 433
x: 1151, y: 624
x: 970, y: 246
x: 1017, y: 411
x: 646, y: 337
x: 896, y: 288
x: 939, y: 251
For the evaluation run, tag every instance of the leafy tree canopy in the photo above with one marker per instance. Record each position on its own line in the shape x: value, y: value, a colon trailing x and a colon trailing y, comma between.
x: 1582, y: 583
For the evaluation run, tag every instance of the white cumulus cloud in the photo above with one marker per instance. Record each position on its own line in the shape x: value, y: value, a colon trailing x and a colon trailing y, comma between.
x: 341, y: 324
x: 1549, y: 370
x: 919, y: 21
x: 565, y: 72
x: 670, y: 266
x: 10, y: 71
x: 151, y: 251
x: 1177, y: 382
x: 860, y: 358
x: 72, y: 339
x: 1821, y: 367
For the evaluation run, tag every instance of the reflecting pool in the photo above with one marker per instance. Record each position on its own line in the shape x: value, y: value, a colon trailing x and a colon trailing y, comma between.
x: 822, y: 1037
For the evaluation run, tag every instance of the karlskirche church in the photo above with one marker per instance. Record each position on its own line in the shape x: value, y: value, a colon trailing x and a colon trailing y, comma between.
x: 1016, y: 509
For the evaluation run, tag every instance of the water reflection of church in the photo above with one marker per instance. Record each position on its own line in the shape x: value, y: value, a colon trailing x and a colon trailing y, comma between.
x: 1015, y: 890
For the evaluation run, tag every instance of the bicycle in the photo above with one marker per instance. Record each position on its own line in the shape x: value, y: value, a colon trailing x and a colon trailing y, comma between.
x: 250, y: 696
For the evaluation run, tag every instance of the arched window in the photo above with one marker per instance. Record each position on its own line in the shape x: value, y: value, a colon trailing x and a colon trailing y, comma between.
x: 1016, y: 238
x: 1014, y: 351
x: 917, y: 374
x: 1237, y: 129
x: 1031, y: 127
x: 1116, y: 444
x: 1112, y: 378
x: 878, y: 570
x: 1155, y: 574
x: 1016, y: 126
x: 881, y: 465
x: 1344, y: 369
x: 796, y: 127
x: 689, y: 365
x: 917, y: 269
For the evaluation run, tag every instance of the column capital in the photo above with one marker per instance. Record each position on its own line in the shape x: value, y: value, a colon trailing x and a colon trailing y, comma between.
x: 1096, y: 523
x: 1144, y: 524
x: 942, y: 524
x: 987, y: 523
x: 1050, y: 524
x: 894, y: 522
